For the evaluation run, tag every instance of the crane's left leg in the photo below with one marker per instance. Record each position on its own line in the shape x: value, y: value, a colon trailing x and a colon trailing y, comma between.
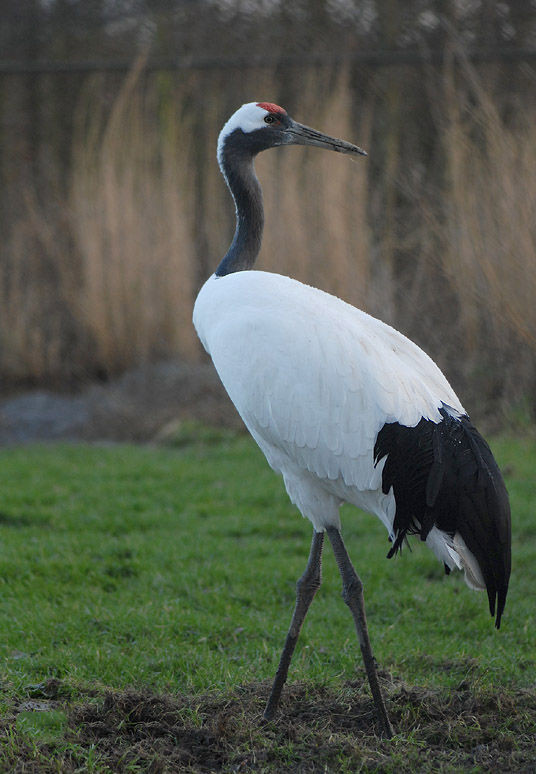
x: 306, y: 588
x: 352, y: 593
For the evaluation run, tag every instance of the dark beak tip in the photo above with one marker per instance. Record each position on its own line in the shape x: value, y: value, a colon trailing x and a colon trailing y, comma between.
x: 352, y: 150
x: 298, y: 134
x: 357, y: 152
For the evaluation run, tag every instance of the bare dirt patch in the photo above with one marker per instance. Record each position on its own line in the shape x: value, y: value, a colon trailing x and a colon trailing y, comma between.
x: 318, y: 729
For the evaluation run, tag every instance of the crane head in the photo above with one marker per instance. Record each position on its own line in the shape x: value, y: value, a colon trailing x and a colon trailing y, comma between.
x: 257, y: 126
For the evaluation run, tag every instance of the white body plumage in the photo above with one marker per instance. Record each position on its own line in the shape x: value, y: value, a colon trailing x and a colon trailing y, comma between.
x: 314, y: 380
x: 344, y: 407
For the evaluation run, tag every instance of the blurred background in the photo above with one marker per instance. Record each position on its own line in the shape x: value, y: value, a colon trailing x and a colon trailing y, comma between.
x: 113, y: 211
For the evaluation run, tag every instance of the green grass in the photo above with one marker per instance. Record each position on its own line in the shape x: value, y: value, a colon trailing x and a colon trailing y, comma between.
x: 172, y: 570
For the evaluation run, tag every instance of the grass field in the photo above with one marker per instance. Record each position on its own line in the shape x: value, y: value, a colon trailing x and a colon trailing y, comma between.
x: 145, y: 596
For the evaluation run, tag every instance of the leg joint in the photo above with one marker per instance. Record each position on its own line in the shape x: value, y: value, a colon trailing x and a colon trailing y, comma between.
x: 307, y: 585
x: 352, y: 589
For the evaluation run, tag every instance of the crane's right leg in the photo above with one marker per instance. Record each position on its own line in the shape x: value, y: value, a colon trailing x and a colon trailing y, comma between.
x: 306, y: 588
x: 352, y: 593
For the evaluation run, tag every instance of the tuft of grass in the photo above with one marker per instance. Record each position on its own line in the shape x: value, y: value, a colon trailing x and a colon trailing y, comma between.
x: 140, y: 573
x: 42, y: 723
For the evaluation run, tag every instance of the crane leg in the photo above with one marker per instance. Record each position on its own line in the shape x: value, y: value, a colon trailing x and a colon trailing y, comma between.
x: 352, y: 592
x: 306, y: 588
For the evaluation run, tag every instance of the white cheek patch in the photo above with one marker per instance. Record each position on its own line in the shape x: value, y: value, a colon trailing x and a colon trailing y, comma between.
x: 247, y: 118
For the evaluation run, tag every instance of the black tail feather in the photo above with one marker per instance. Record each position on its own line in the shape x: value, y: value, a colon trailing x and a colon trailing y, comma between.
x: 444, y: 475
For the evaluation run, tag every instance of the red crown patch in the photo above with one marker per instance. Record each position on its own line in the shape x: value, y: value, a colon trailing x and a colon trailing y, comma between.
x: 271, y: 107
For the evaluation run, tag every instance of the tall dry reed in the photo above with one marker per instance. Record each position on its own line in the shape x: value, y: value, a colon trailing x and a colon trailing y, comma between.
x: 130, y: 219
x: 317, y: 228
x: 144, y: 242
x: 104, y: 276
x: 489, y: 212
x: 483, y: 231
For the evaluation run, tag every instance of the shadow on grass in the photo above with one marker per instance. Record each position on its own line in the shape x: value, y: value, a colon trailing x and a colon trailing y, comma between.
x: 20, y: 520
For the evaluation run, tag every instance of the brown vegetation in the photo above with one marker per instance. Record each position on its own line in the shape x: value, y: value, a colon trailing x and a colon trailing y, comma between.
x: 319, y: 729
x: 102, y: 275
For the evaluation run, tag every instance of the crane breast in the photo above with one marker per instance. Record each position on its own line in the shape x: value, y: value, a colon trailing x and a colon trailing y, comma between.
x: 313, y: 378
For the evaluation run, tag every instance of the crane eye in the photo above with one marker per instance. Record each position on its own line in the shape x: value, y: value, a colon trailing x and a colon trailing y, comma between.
x: 270, y: 119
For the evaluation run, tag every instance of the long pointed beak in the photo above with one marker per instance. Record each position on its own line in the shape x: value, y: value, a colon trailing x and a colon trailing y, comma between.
x: 298, y: 134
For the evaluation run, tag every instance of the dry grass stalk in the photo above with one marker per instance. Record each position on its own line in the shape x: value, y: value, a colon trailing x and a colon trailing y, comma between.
x: 36, y: 279
x: 489, y: 229
x: 106, y: 278
x: 130, y: 220
x: 316, y: 215
x: 492, y: 223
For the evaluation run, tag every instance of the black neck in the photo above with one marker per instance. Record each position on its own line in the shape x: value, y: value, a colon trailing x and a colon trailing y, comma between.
x: 239, y: 173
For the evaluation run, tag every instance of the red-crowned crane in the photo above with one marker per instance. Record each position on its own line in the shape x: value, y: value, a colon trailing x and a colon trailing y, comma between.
x: 344, y: 407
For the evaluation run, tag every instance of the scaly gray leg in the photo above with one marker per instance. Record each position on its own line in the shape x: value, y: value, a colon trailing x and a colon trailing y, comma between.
x: 306, y: 588
x: 352, y: 593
